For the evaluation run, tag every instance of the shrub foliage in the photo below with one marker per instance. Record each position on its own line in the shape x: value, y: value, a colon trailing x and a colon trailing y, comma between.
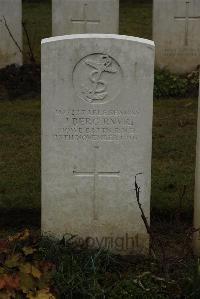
x: 173, y: 85
x: 42, y: 268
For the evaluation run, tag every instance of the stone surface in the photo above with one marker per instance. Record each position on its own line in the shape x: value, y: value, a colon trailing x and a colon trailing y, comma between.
x: 197, y: 190
x: 97, y: 105
x: 84, y: 16
x: 176, y: 25
x: 10, y: 15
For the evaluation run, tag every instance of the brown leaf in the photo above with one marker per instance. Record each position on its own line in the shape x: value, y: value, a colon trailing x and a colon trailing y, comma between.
x: 20, y: 236
x: 13, y: 261
x: 27, y: 268
x: 2, y: 282
x: 12, y: 281
x: 27, y: 282
x: 42, y: 294
x: 24, y: 235
x: 7, y: 294
x: 4, y: 245
x: 28, y: 250
x: 9, y: 282
x: 36, y: 272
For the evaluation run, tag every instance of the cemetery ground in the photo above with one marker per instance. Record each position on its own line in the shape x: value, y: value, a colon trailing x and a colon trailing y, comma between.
x: 172, y: 271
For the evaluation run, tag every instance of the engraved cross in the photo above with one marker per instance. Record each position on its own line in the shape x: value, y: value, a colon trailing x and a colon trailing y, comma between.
x: 95, y: 174
x: 187, y: 19
x: 85, y: 20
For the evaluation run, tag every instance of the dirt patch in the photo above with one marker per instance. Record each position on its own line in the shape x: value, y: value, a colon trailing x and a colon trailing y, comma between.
x: 16, y: 81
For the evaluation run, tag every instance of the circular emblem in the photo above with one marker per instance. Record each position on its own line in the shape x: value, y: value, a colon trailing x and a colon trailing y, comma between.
x: 97, y: 78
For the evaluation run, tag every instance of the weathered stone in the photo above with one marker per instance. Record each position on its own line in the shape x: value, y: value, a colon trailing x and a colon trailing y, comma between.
x: 84, y: 16
x: 176, y: 25
x: 97, y: 106
x: 10, y: 32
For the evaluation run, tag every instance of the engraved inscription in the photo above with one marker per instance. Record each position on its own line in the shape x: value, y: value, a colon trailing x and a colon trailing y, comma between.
x: 187, y: 19
x: 191, y: 52
x: 97, y: 78
x: 95, y: 174
x: 85, y: 20
x: 96, y: 125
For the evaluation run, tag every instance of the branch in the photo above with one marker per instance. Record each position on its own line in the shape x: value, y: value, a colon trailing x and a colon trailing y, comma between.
x: 137, y: 190
x: 31, y: 54
x: 10, y: 33
x: 156, y: 242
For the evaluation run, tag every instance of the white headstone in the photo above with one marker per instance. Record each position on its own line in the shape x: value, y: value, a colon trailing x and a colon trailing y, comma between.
x: 197, y: 190
x: 97, y: 105
x: 176, y: 26
x: 84, y: 16
x: 10, y: 20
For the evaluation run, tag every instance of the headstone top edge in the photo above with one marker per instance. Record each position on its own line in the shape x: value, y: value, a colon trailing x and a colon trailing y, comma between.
x: 99, y: 36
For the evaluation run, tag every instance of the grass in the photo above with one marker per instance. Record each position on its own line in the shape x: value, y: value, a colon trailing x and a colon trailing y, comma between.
x: 173, y: 164
x: 20, y: 154
x: 98, y: 274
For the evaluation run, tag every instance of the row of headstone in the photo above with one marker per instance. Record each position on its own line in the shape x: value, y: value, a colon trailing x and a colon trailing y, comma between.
x: 97, y: 100
x: 68, y: 17
x: 176, y: 25
x: 97, y: 108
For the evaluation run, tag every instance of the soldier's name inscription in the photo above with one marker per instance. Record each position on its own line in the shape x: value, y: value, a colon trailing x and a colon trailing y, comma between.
x: 96, y: 124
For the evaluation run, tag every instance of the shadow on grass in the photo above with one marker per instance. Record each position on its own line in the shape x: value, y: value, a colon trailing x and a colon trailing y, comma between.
x: 15, y: 219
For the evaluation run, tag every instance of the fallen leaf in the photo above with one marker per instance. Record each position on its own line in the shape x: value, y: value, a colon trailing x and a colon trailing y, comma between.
x: 9, y: 281
x: 4, y: 244
x: 24, y: 235
x: 42, y: 294
x: 35, y: 272
x: 7, y: 294
x: 13, y: 261
x: 12, y: 281
x: 2, y: 282
x: 13, y: 238
x: 25, y: 268
x: 28, y: 250
x: 30, y: 269
x: 20, y: 236
x: 27, y: 282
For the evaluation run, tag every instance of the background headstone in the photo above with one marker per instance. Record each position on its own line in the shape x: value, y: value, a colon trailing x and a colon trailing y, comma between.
x: 10, y: 16
x: 97, y: 106
x: 84, y: 16
x: 176, y: 25
x: 197, y: 189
